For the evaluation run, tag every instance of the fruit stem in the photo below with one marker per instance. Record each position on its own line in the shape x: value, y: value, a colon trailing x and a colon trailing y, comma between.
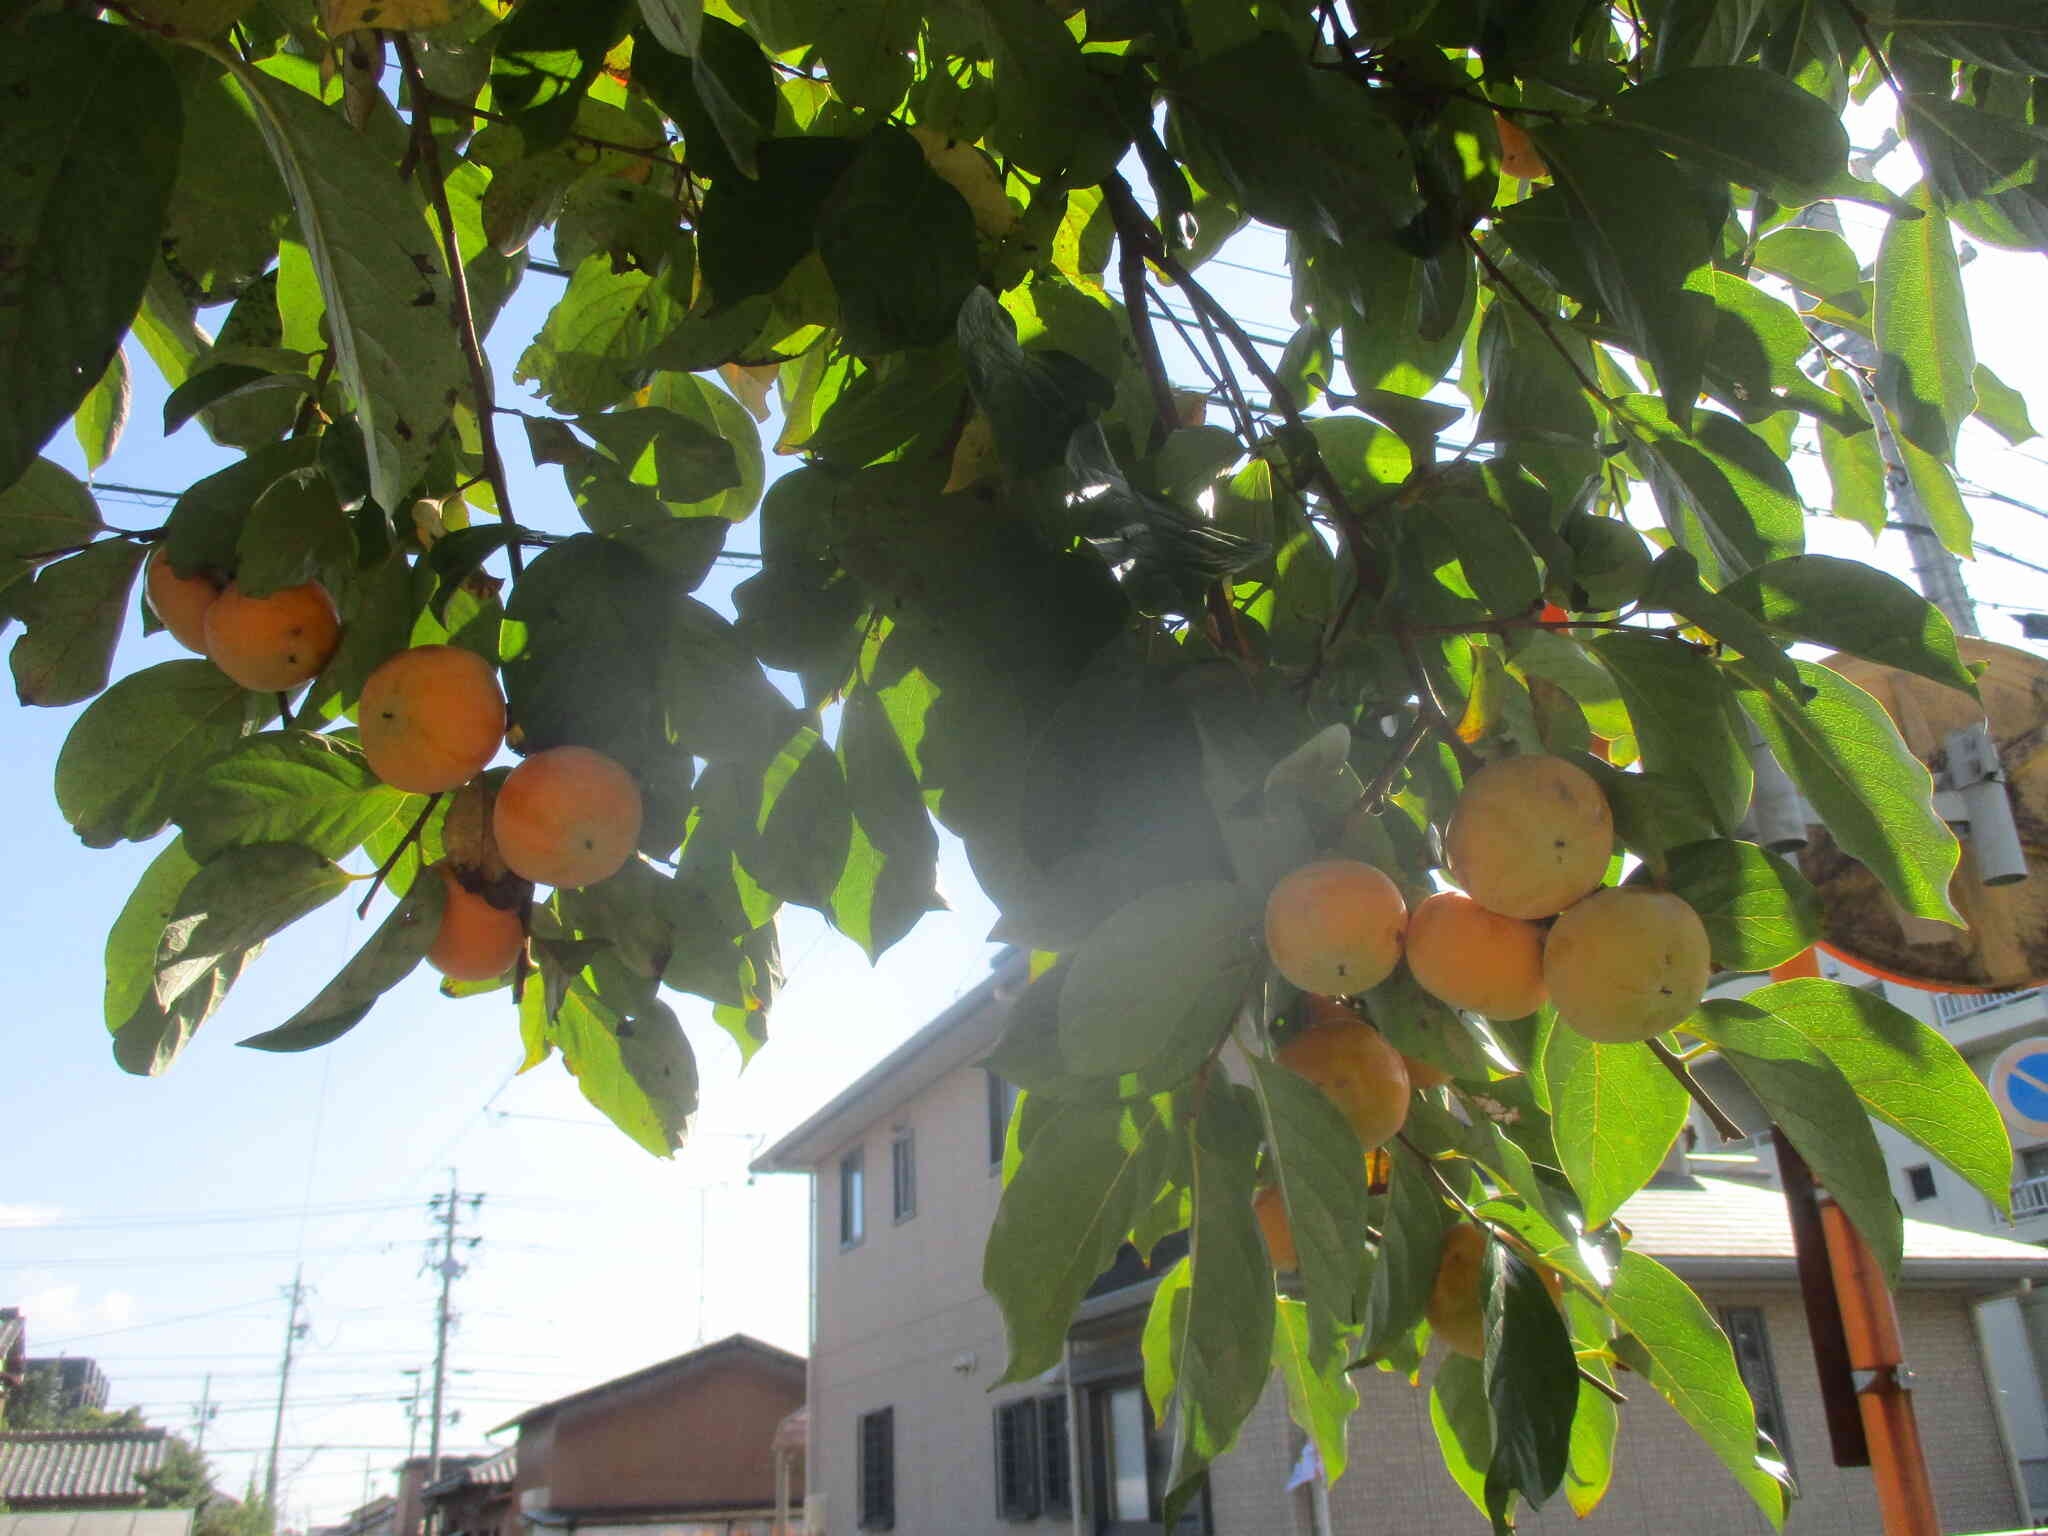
x: 412, y: 835
x: 1675, y: 1065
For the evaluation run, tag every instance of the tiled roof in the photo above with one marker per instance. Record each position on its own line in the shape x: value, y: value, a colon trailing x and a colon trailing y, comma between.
x: 495, y: 1471
x: 1697, y: 1224
x: 734, y: 1344
x: 49, y: 1466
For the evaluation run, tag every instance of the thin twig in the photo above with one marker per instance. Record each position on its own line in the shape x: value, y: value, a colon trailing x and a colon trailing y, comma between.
x: 412, y: 835
x: 465, y: 319
x: 1545, y: 322
x: 1606, y: 1389
x: 310, y: 406
x: 1723, y: 1121
x: 449, y: 107
x: 109, y: 536
x: 1862, y: 21
x: 1129, y: 219
x: 1390, y: 770
x: 1432, y: 708
x: 1216, y: 386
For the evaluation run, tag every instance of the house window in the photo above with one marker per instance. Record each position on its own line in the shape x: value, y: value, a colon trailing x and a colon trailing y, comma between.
x: 878, y: 1470
x: 1127, y: 1458
x: 853, y: 1199
x: 1745, y: 1329
x: 2033, y: 1162
x: 1017, y: 1486
x: 902, y: 1174
x: 1002, y: 1099
x: 1920, y: 1180
x: 1055, y: 1468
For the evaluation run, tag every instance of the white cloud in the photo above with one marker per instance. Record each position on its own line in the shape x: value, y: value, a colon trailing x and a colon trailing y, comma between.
x: 60, y: 1309
x: 29, y: 1215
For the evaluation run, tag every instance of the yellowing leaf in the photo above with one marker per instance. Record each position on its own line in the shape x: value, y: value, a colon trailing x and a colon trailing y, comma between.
x: 339, y: 16
x: 973, y: 176
x: 974, y: 456
x: 751, y: 385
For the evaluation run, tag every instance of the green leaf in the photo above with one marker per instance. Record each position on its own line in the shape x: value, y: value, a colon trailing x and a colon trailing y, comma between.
x: 1726, y: 495
x: 891, y: 820
x: 1641, y: 224
x: 127, y: 755
x: 720, y: 703
x: 1463, y: 1421
x: 228, y: 208
x: 1614, y: 1114
x: 132, y: 942
x: 633, y: 1065
x: 1320, y: 1166
x: 1532, y: 1382
x: 73, y: 612
x: 596, y: 341
x: 381, y: 276
x: 284, y: 787
x: 1906, y: 1073
x: 296, y: 532
x: 239, y: 900
x: 205, y: 525
x: 1758, y: 910
x: 1411, y: 1242
x: 1855, y: 464
x: 1082, y: 1183
x: 1817, y: 261
x: 1675, y: 1344
x: 547, y: 53
x: 1320, y: 1394
x: 46, y: 508
x: 399, y: 944
x: 1678, y: 703
x: 869, y: 50
x: 1052, y: 113
x: 752, y: 233
x: 104, y: 413
x: 1159, y: 981
x: 1874, y: 796
x: 2002, y: 408
x: 93, y: 122
x: 722, y: 95
x: 1224, y: 1352
x: 1744, y: 124
x: 1032, y: 399
x: 1927, y: 366
x: 804, y: 828
x: 1809, y: 1099
x: 1849, y: 606
x: 1596, y: 1419
x: 1495, y: 558
x: 899, y: 243
x: 1674, y: 586
x: 676, y: 24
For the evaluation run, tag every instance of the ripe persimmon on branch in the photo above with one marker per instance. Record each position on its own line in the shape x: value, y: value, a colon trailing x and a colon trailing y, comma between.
x: 1352, y: 786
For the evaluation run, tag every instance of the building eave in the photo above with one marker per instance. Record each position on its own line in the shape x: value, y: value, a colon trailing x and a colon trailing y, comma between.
x: 913, y: 1065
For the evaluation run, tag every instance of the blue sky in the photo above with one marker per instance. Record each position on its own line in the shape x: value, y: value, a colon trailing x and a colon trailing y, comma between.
x: 154, y: 1224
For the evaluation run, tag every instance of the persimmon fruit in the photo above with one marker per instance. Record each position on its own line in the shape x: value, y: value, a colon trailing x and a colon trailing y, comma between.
x: 1529, y: 836
x: 1422, y: 1074
x: 1353, y: 1064
x: 1457, y: 1306
x: 430, y: 718
x: 1475, y: 959
x: 1519, y: 156
x: 180, y: 602
x: 274, y: 642
x: 1334, y: 927
x: 1627, y: 963
x: 476, y: 940
x: 1270, y: 1207
x: 567, y: 816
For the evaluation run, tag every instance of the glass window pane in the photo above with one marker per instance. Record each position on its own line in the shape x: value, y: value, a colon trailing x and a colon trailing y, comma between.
x: 1129, y: 1494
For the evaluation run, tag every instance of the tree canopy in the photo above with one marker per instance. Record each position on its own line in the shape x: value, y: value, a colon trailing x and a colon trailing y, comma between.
x: 1145, y: 644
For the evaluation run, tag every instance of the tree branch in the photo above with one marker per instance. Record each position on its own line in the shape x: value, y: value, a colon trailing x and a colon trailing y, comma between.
x: 1723, y: 1121
x: 1131, y: 223
x: 429, y: 155
x: 1545, y: 322
x: 412, y: 835
x: 1431, y: 707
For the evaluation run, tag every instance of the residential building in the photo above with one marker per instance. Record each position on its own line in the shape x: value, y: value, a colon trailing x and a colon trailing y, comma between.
x: 687, y: 1445
x: 475, y: 1498
x: 907, y: 1433
x: 74, y: 1384
x: 110, y: 1522
x: 78, y: 1468
x: 13, y: 1355
x: 379, y: 1517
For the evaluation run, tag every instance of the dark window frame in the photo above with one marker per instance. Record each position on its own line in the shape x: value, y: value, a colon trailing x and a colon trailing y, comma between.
x: 902, y: 1174
x: 1019, y: 1493
x: 1196, y: 1521
x: 1920, y: 1182
x: 1055, y: 1456
x: 1749, y: 1336
x: 875, y: 1442
x: 853, y: 1198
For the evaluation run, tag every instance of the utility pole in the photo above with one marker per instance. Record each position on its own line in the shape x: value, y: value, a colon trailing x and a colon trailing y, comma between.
x: 1939, y: 573
x: 205, y: 1412
x: 294, y: 1330
x: 447, y: 1215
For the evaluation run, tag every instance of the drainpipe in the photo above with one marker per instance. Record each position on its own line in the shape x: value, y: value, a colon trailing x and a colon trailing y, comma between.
x: 1077, y: 1481
x: 1984, y: 1359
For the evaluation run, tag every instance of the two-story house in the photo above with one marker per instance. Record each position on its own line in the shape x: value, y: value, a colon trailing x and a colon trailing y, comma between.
x: 906, y: 1435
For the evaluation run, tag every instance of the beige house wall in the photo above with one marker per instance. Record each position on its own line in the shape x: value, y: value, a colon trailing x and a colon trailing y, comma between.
x: 903, y: 1323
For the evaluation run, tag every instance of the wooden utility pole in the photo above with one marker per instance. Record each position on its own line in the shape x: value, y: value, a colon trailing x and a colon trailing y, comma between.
x: 294, y: 1330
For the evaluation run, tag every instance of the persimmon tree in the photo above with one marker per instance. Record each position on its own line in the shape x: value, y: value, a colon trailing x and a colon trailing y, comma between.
x: 1145, y: 643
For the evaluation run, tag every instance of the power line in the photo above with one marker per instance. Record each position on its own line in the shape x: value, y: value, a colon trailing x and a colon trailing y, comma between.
x: 189, y: 1317
x: 126, y: 1223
